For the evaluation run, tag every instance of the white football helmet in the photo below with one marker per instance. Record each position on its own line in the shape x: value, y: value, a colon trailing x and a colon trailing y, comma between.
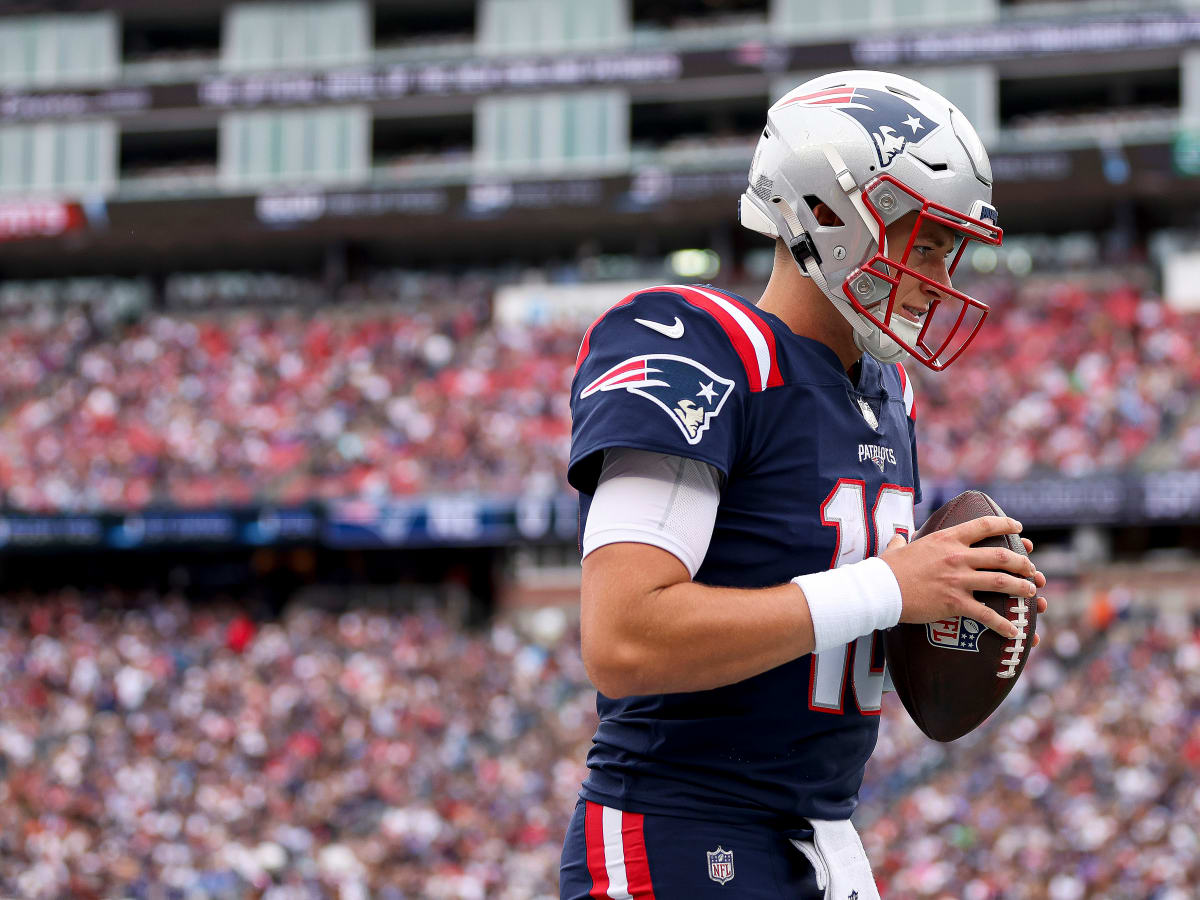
x: 874, y: 147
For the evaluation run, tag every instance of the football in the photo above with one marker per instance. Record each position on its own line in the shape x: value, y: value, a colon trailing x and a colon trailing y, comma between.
x: 952, y: 674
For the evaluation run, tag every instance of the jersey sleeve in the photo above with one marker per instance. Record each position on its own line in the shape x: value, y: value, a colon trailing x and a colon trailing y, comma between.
x: 666, y: 370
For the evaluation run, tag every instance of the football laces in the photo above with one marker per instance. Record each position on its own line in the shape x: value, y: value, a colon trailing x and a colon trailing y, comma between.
x: 1016, y: 646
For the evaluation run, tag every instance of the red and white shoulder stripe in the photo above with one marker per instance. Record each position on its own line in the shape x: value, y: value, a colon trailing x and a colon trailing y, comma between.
x: 910, y: 403
x: 750, y: 337
x: 616, y: 854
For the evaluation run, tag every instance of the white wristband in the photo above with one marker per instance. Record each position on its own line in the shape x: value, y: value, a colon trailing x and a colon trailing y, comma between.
x: 850, y: 601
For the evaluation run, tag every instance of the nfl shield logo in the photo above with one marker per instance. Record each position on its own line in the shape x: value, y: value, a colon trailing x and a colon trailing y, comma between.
x: 956, y: 633
x: 720, y: 865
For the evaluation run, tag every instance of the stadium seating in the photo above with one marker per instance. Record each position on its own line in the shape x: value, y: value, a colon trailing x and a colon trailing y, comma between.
x: 107, y: 402
x: 147, y: 742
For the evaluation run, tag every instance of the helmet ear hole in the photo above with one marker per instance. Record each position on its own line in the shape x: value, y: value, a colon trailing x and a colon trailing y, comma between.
x: 823, y: 212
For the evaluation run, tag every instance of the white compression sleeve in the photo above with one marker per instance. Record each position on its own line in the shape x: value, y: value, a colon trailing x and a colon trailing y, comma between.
x: 850, y: 601
x: 654, y: 498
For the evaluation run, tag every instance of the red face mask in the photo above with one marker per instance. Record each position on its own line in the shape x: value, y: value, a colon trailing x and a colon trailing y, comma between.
x: 953, y: 318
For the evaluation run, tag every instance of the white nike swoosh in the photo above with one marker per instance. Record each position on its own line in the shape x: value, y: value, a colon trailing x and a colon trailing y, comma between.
x: 672, y: 331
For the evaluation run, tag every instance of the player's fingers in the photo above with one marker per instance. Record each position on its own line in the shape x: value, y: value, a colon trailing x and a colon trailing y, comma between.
x: 999, y: 583
x: 1041, y: 605
x: 1039, y: 579
x: 1000, y: 558
x: 1037, y: 639
x: 989, y: 618
x: 898, y: 540
x: 1028, y: 544
x: 985, y: 526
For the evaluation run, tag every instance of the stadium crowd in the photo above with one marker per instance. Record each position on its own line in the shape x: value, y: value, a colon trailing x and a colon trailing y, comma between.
x: 170, y: 751
x: 1082, y: 786
x: 280, y: 404
x: 1067, y: 376
x: 153, y: 748
x: 109, y: 402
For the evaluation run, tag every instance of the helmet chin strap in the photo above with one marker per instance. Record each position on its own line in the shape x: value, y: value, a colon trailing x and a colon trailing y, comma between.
x: 867, y: 335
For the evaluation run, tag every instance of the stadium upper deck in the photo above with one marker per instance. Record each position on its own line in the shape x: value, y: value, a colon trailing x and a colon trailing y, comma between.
x: 251, y: 132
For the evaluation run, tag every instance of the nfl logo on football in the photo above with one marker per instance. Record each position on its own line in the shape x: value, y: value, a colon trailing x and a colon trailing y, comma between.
x: 957, y: 633
x: 720, y: 864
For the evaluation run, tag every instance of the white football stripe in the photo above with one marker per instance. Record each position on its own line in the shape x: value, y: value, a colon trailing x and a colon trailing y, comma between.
x: 757, y: 341
x: 908, y: 394
x: 614, y: 856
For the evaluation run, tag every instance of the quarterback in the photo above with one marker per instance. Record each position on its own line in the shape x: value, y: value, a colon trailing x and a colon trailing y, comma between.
x: 747, y: 477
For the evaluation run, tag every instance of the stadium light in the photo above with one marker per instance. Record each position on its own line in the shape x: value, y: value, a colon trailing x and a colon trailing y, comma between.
x: 694, y: 263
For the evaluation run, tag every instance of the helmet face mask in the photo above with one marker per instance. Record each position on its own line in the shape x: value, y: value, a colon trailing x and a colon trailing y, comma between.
x: 874, y: 147
x: 953, y: 317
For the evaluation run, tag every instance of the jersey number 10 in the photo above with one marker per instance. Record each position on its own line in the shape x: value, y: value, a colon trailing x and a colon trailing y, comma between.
x: 858, y: 536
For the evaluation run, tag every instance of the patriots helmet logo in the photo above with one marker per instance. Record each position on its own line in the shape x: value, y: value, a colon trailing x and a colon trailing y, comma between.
x: 892, y: 122
x: 690, y: 393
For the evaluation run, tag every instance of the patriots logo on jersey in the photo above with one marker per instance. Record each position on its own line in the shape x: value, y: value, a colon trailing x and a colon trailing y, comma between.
x: 891, y: 121
x: 956, y: 633
x: 690, y: 393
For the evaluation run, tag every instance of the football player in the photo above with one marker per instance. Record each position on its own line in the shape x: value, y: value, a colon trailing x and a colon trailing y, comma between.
x: 747, y: 476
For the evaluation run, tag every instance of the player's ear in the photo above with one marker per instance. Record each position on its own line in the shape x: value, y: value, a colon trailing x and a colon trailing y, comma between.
x: 826, y: 217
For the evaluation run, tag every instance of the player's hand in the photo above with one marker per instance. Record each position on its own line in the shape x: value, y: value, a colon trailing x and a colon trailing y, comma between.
x: 939, y: 572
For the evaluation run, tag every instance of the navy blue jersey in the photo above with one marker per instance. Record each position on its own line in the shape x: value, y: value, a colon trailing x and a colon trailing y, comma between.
x: 816, y: 472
